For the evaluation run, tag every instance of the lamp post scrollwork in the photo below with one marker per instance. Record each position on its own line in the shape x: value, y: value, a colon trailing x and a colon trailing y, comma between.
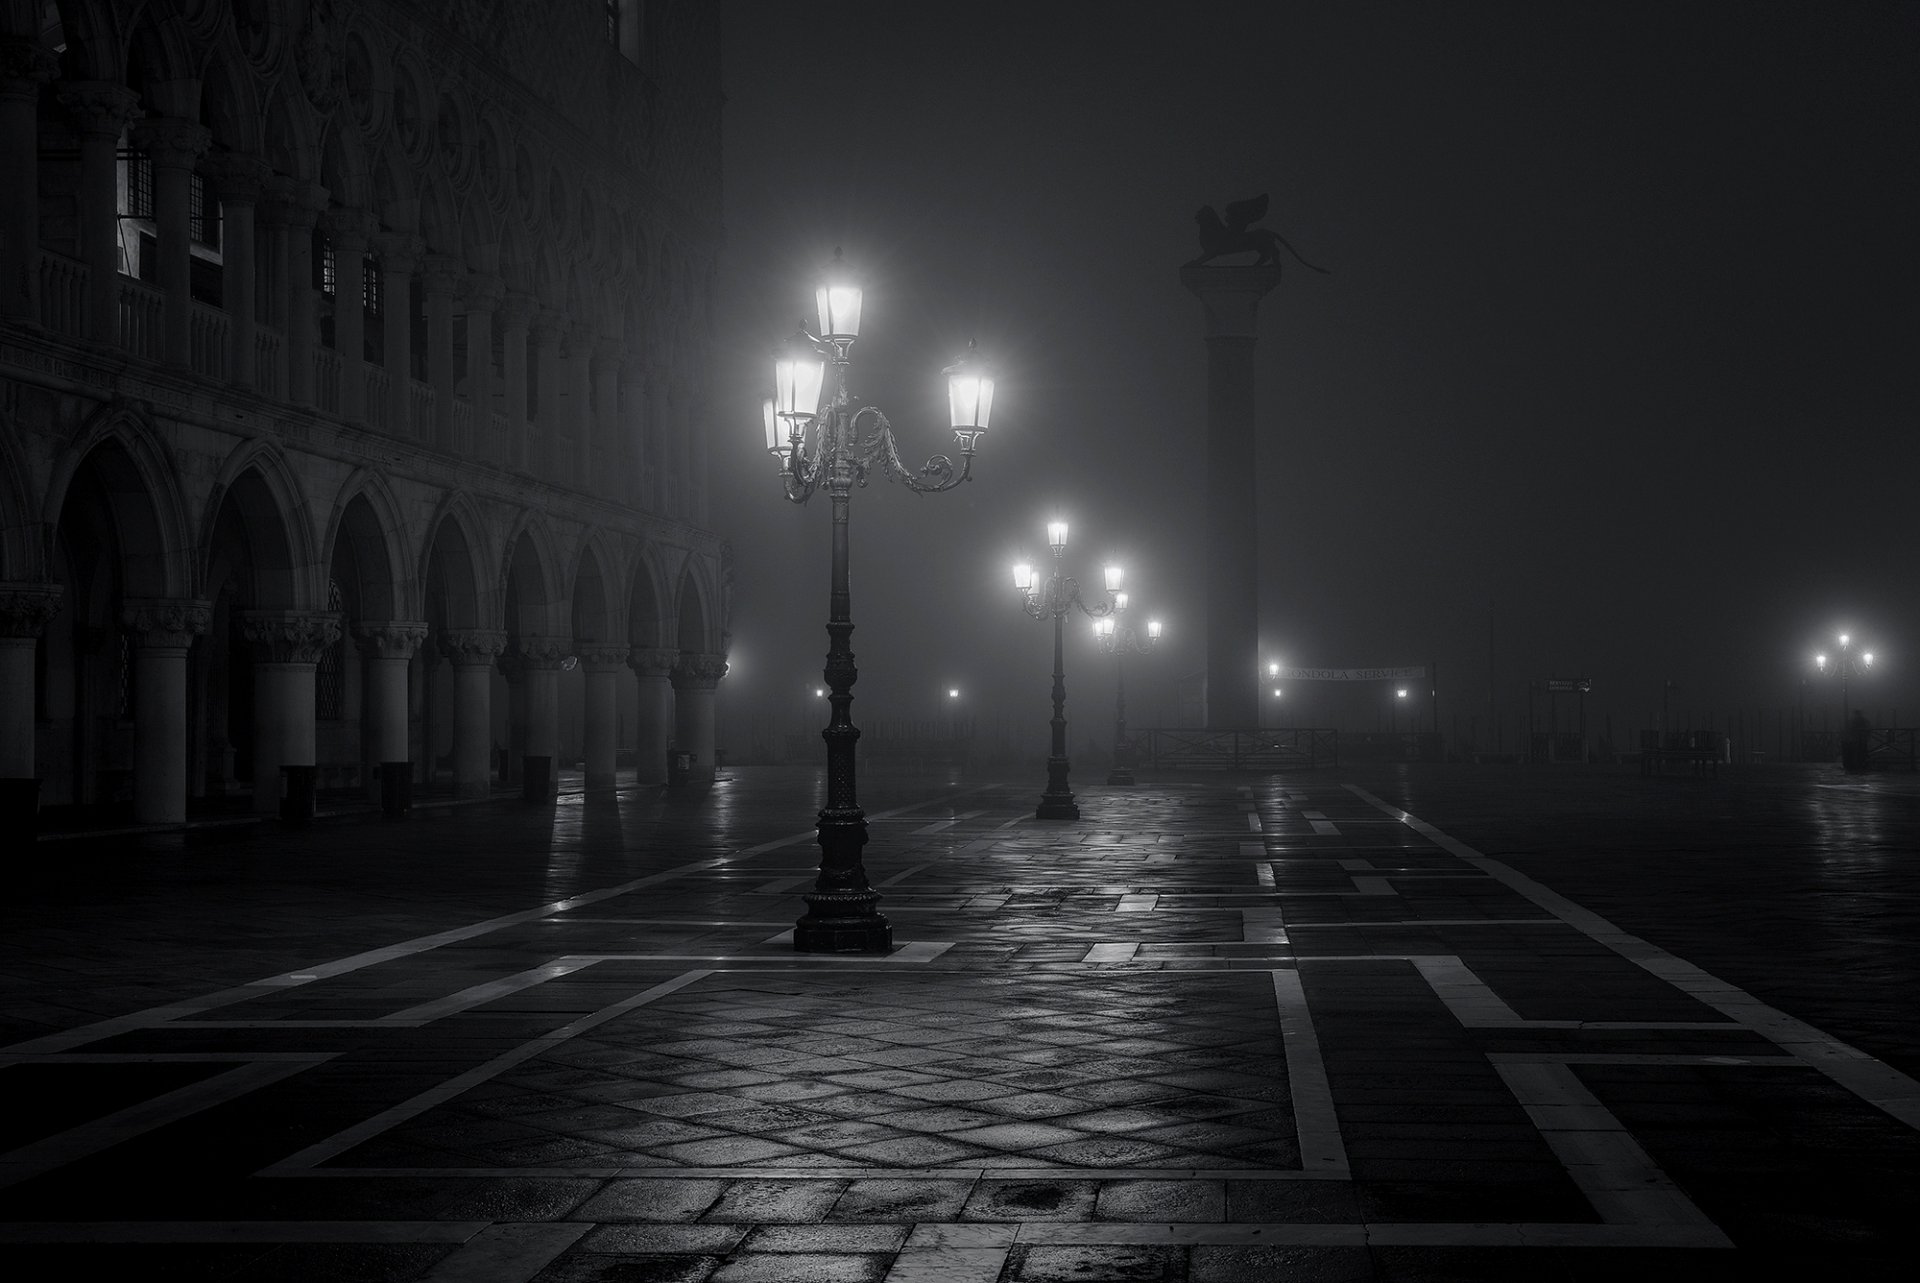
x: 1052, y: 598
x: 824, y: 441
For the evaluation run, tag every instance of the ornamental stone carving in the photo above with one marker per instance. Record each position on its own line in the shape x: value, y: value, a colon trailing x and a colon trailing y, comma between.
x: 236, y: 177
x: 26, y: 608
x: 290, y: 636
x: 443, y: 275
x: 24, y: 65
x: 390, y: 638
x: 316, y: 55
x: 350, y: 230
x: 171, y: 143
x: 98, y: 108
x: 651, y: 661
x: 600, y: 657
x: 399, y: 251
x: 481, y: 292
x: 293, y: 202
x: 542, y: 652
x: 166, y: 623
x: 698, y: 672
x: 470, y: 647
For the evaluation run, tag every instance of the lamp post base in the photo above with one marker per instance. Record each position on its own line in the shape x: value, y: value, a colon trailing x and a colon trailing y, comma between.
x: 842, y: 924
x: 1057, y: 802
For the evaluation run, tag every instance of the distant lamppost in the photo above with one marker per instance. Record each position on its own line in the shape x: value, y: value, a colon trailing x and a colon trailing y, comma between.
x: 1399, y: 702
x: 1117, y: 638
x: 1053, y: 597
x: 1847, y: 665
x: 822, y: 440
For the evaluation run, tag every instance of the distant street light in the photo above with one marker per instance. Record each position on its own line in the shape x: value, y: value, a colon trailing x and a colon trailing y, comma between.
x: 830, y: 443
x: 1847, y: 665
x: 1399, y: 702
x: 1059, y: 593
x: 1117, y: 638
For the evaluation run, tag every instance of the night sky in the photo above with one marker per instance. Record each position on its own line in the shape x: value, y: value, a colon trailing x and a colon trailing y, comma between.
x: 1613, y: 374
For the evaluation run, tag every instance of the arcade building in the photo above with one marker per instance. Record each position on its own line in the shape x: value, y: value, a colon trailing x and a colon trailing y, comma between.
x: 353, y: 363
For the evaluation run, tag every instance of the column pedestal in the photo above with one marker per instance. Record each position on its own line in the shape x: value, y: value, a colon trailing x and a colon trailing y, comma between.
x: 288, y: 645
x: 24, y: 612
x: 540, y: 672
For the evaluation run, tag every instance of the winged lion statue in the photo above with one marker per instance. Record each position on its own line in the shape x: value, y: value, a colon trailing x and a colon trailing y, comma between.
x: 1235, y: 234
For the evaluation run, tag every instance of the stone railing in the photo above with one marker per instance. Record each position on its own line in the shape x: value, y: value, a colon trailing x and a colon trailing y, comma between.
x: 141, y: 308
x: 376, y: 402
x: 209, y: 347
x: 420, y: 411
x: 266, y: 362
x: 63, y: 293
x: 326, y: 379
x: 499, y: 448
x: 463, y: 443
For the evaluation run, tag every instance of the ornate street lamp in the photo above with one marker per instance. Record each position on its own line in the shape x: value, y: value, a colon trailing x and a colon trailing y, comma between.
x: 829, y: 443
x: 1059, y: 593
x: 1847, y: 665
x: 1117, y: 638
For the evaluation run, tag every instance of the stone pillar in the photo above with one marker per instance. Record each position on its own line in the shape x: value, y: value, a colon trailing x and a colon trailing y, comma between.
x: 481, y: 296
x: 174, y: 147
x: 163, y: 631
x: 514, y: 674
x: 99, y: 112
x: 543, y: 448
x: 605, y: 473
x: 472, y: 652
x: 287, y: 645
x: 540, y: 670
x: 348, y: 234
x: 578, y: 464
x: 653, y: 715
x: 399, y: 256
x: 601, y: 710
x: 291, y: 213
x: 239, y: 181
x: 386, y: 649
x: 694, y: 677
x: 442, y: 277
x: 25, y: 65
x: 1230, y: 297
x: 633, y: 432
x: 516, y: 310
x: 659, y: 464
x: 24, y: 612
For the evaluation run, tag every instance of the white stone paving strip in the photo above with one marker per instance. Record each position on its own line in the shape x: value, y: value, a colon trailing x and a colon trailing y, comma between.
x: 1871, y: 1079
x: 1253, y: 821
x: 1361, y: 865
x: 1115, y: 952
x: 1139, y: 903
x: 1322, y: 1152
x: 475, y: 996
x: 1325, y: 828
x: 1263, y: 871
x: 342, y: 1141
x: 58, y: 1150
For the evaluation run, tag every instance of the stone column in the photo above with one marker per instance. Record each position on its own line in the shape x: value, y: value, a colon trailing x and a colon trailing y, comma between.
x: 292, y: 212
x: 386, y: 648
x: 239, y: 181
x: 174, y: 147
x: 100, y: 112
x: 653, y: 715
x: 543, y: 441
x: 163, y: 631
x: 25, y: 65
x: 399, y: 256
x: 601, y: 709
x: 24, y: 612
x: 540, y: 670
x: 441, y: 276
x: 472, y: 652
x: 348, y: 233
x: 514, y: 674
x: 516, y: 310
x: 606, y: 475
x: 287, y: 645
x: 1230, y: 297
x: 694, y: 677
x: 659, y: 463
x: 633, y: 432
x: 577, y: 461
x: 481, y: 296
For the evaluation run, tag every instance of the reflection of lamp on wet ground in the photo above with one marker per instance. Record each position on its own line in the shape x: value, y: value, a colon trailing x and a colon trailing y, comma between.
x: 1053, y: 598
x: 824, y: 442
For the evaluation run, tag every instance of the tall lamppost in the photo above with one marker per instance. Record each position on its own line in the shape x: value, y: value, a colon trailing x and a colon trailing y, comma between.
x: 1059, y: 593
x: 1847, y: 665
x: 1117, y: 638
x: 823, y: 441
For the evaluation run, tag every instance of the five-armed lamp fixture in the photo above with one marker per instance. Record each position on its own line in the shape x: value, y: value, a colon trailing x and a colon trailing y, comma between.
x: 1053, y: 597
x: 1117, y: 638
x: 822, y: 440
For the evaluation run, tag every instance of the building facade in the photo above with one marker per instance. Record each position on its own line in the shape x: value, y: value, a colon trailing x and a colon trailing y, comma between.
x: 352, y: 362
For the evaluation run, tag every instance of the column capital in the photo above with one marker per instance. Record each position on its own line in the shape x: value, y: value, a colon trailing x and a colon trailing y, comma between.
x: 290, y: 636
x: 99, y: 108
x: 651, y: 661
x: 26, y: 608
x: 472, y: 647
x: 696, y: 672
x: 25, y: 64
x: 547, y: 325
x: 601, y: 657
x: 399, y: 251
x: 541, y: 652
x: 166, y: 622
x: 237, y: 177
x: 482, y: 292
x: 171, y: 143
x: 517, y: 309
x: 390, y: 638
x: 633, y: 371
x: 609, y: 350
x: 443, y: 274
x: 293, y: 202
x: 1230, y: 295
x: 349, y: 229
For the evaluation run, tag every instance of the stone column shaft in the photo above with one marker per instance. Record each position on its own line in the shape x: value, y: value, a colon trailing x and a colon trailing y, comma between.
x: 545, y: 437
x: 387, y: 648
x: 174, y: 147
x: 442, y: 282
x: 515, y: 312
x: 653, y: 714
x: 694, y: 678
x: 25, y: 64
x: 239, y: 181
x: 399, y: 255
x: 100, y: 113
x: 295, y: 208
x: 601, y: 711
x: 288, y: 645
x: 472, y: 652
x: 163, y: 633
x: 25, y: 609
x: 348, y: 232
x: 482, y: 296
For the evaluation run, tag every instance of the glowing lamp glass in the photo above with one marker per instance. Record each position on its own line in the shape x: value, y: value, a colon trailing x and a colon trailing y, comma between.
x: 1103, y: 628
x: 1153, y: 629
x: 1022, y: 576
x: 1114, y: 576
x: 776, y: 431
x: 969, y: 392
x: 798, y: 376
x: 1119, y: 601
x: 1056, y: 535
